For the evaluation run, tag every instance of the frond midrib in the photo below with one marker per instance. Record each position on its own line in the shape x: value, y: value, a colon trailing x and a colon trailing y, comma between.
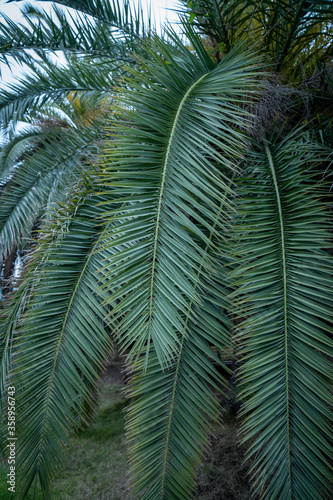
x: 285, y: 301
x: 159, y: 205
x: 62, y: 332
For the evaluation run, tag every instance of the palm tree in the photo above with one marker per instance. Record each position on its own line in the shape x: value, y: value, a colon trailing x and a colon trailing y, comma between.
x: 202, y: 226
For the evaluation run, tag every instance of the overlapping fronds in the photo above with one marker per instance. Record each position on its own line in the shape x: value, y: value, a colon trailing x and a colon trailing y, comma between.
x: 12, y: 151
x: 293, y: 32
x: 297, y: 31
x: 174, y: 149
x: 50, y: 83
x: 157, y: 273
x: 121, y: 15
x: 284, y: 297
x: 40, y: 181
x: 61, y: 344
x: 225, y: 22
x: 172, y: 411
x: 59, y: 32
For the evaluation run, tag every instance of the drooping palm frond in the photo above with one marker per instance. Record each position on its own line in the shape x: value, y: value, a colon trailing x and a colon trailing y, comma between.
x: 10, y: 317
x: 59, y: 32
x: 284, y: 297
x: 172, y: 411
x: 224, y: 22
x: 50, y: 83
x: 61, y: 344
x: 170, y: 162
x: 174, y: 149
x: 40, y: 181
x: 12, y: 151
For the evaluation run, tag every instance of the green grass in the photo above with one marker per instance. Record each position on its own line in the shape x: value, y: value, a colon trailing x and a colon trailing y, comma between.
x: 95, y: 465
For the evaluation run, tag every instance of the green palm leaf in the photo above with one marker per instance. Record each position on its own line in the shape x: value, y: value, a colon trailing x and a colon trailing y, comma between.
x: 12, y: 151
x: 61, y: 346
x: 121, y: 15
x: 39, y: 181
x: 9, y: 322
x: 169, y: 164
x: 49, y: 84
x: 172, y: 411
x: 59, y: 32
x: 225, y: 22
x: 293, y: 32
x: 285, y: 292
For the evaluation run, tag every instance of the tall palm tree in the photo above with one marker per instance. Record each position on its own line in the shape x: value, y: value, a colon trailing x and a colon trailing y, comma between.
x: 202, y: 226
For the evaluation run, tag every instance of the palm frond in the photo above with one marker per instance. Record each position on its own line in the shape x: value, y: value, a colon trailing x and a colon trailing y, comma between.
x: 51, y: 83
x: 39, y: 181
x: 61, y: 345
x: 225, y: 22
x: 10, y: 317
x: 12, y: 151
x: 293, y: 32
x: 56, y: 32
x: 170, y: 161
x: 172, y: 411
x: 284, y: 292
x: 122, y: 15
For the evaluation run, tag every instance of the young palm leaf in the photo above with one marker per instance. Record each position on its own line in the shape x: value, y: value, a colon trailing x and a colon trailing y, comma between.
x: 284, y: 291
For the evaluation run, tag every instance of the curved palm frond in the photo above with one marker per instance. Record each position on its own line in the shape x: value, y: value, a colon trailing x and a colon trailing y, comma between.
x: 61, y: 345
x: 10, y: 317
x: 39, y: 182
x: 170, y: 163
x: 12, y: 151
x: 56, y: 32
x: 284, y: 292
x: 172, y: 411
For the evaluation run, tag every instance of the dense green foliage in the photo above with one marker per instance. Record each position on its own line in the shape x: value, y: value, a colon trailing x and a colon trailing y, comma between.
x: 170, y: 195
